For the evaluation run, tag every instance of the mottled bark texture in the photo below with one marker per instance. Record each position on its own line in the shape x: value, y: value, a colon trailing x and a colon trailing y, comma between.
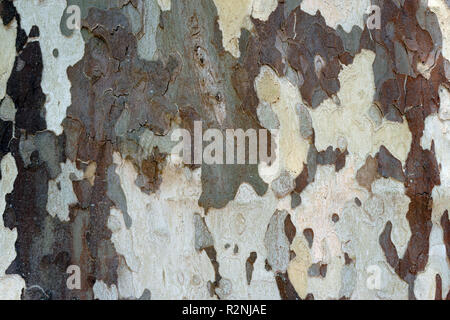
x: 352, y: 204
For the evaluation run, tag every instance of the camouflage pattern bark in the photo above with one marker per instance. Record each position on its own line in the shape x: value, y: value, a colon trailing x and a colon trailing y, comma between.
x: 351, y: 204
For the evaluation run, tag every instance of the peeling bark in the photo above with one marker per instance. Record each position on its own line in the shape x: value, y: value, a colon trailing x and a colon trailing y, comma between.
x: 352, y: 202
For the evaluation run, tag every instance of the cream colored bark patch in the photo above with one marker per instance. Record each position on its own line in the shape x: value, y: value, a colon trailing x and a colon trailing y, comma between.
x: 164, y: 4
x: 60, y: 191
x: 235, y: 15
x: 89, y: 173
x: 284, y: 97
x: 103, y: 292
x: 327, y: 195
x: 46, y: 14
x: 437, y: 130
x: 10, y: 285
x: 238, y: 230
x: 351, y: 121
x: 425, y: 284
x: 298, y: 267
x: 347, y: 13
x: 442, y: 11
x: 7, y: 53
x: 263, y: 8
x: 158, y: 249
x: 375, y: 279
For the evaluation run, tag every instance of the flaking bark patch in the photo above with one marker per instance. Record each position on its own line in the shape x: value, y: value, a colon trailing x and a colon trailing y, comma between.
x: 127, y: 98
